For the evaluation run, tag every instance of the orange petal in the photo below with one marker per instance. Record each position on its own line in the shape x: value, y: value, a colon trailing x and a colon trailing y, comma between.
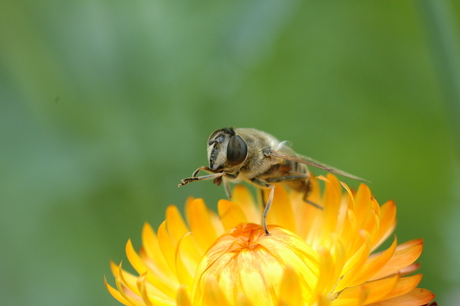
x: 177, y: 230
x: 175, y: 223
x: 409, y: 269
x: 355, y: 298
x: 417, y: 296
x: 325, y: 279
x: 126, y: 275
x: 230, y: 214
x: 372, y: 222
x: 134, y: 259
x: 330, y: 268
x: 387, y: 223
x: 201, y: 224
x: 127, y: 289
x: 166, y: 246
x: 161, y: 285
x: 404, y: 255
x: 242, y: 300
x: 185, y: 268
x: 281, y: 212
x: 315, y: 194
x: 182, y: 297
x: 151, y: 251
x: 354, y: 265
x: 375, y: 263
x: 353, y: 301
x: 242, y: 197
x: 290, y: 293
x: 212, y: 295
x: 115, y: 293
x: 405, y: 285
x: 374, y: 291
x: 141, y: 285
x: 350, y: 196
x: 126, y: 279
x: 363, y: 204
x: 324, y: 300
x: 332, y: 200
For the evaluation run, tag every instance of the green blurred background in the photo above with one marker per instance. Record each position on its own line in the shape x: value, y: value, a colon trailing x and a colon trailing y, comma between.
x: 106, y: 105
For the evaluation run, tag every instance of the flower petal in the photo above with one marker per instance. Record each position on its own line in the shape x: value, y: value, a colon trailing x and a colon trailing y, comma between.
x: 375, y: 263
x: 167, y: 247
x: 374, y: 291
x: 212, y: 295
x: 115, y: 293
x: 230, y: 214
x: 290, y: 293
x: 404, y: 255
x: 163, y: 286
x: 280, y: 213
x: 141, y: 285
x: 354, y: 265
x: 405, y: 285
x: 152, y: 255
x: 245, y: 201
x: 201, y: 224
x: 332, y: 199
x: 387, y: 223
x: 182, y: 297
x: 129, y: 292
x: 185, y: 268
x: 417, y: 296
x: 175, y: 224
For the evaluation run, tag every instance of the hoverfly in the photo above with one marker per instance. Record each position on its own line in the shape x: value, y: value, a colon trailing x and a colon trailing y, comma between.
x: 254, y: 156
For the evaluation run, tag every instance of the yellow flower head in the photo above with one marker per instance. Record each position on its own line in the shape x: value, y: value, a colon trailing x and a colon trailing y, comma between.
x: 311, y: 257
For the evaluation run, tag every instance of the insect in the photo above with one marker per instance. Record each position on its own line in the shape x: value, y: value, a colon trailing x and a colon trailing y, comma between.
x: 254, y: 156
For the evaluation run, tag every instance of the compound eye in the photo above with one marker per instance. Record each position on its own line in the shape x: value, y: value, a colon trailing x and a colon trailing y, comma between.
x: 236, y: 150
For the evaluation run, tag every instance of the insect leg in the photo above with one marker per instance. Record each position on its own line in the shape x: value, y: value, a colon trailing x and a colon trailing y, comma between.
x: 185, y: 181
x: 202, y: 168
x: 311, y: 202
x: 261, y: 194
x: 264, y: 184
x: 227, y: 189
x: 287, y: 178
x: 296, y: 177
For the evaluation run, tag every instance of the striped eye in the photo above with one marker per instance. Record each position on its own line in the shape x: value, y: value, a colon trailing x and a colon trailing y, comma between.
x: 219, y: 139
x: 236, y: 150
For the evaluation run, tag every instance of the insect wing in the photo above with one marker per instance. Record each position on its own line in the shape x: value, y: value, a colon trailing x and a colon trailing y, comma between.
x: 314, y: 163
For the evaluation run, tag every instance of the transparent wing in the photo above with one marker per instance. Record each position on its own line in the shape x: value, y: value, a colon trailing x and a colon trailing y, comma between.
x: 311, y: 162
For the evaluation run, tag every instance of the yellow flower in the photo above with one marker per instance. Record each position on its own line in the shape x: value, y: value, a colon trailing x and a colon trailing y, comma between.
x: 312, y: 257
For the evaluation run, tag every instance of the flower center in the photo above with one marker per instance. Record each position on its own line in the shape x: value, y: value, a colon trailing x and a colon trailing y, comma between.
x: 247, y: 236
x: 246, y: 260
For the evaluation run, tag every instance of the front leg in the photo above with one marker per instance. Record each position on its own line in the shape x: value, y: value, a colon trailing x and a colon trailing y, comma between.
x: 263, y: 184
x: 202, y: 168
x: 194, y: 178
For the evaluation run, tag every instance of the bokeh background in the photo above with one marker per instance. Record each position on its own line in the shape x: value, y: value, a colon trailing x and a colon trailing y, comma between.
x: 106, y: 105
